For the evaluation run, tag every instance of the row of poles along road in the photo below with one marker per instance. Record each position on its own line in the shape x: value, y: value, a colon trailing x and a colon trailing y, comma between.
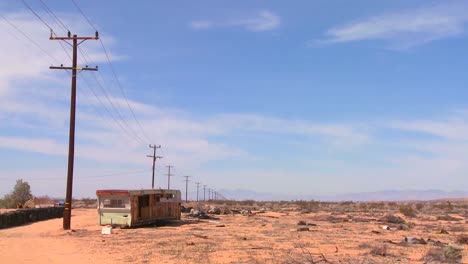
x: 212, y: 194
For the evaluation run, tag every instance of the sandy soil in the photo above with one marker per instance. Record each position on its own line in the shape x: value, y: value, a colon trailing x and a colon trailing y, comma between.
x: 270, y: 237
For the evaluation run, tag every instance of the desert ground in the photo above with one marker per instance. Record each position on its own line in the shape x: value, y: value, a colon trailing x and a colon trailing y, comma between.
x: 267, y: 233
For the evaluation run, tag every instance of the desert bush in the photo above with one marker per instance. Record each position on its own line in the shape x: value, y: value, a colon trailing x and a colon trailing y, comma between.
x: 419, y: 206
x: 379, y: 250
x: 457, y: 228
x: 448, y: 254
x: 246, y: 202
x: 448, y: 218
x: 309, y: 205
x: 44, y: 200
x: 462, y: 239
x: 407, y: 210
x: 380, y: 205
x: 447, y: 206
x: 363, y: 207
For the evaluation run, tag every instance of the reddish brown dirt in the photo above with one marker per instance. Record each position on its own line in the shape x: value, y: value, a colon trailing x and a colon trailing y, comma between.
x: 262, y: 238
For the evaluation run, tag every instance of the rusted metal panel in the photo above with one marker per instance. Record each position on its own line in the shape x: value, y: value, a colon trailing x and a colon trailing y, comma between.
x: 112, y: 192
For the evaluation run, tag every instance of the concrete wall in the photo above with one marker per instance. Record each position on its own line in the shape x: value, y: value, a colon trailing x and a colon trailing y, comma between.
x: 24, y: 216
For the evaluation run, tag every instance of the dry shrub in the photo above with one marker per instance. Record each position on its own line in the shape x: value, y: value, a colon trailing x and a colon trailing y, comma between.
x: 380, y: 250
x: 309, y: 205
x: 448, y: 254
x: 448, y: 218
x: 462, y: 239
x: 408, y: 211
x: 419, y: 206
x: 380, y: 205
x: 392, y: 219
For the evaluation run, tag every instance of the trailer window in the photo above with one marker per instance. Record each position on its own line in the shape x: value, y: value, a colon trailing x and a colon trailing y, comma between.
x: 113, y: 203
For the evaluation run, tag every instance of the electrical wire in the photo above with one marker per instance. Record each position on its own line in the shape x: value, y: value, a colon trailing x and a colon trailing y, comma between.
x: 39, y: 17
x: 28, y: 38
x: 51, y: 13
x: 59, y: 22
x: 109, y: 61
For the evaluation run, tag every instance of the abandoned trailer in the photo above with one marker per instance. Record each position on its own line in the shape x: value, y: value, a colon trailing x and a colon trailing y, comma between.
x: 137, y: 207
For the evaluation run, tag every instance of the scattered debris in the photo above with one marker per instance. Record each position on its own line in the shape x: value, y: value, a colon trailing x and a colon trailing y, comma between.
x: 199, y: 214
x: 200, y: 236
x: 214, y: 210
x: 441, y: 231
x: 403, y: 227
x: 301, y: 222
x: 435, y: 242
x: 221, y: 225
x: 106, y: 230
x: 413, y: 240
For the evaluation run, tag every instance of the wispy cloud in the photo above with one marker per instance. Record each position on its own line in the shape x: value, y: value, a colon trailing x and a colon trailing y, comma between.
x: 263, y: 21
x: 405, y: 29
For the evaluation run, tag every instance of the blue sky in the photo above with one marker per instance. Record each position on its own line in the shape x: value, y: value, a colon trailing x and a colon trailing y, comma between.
x: 314, y: 97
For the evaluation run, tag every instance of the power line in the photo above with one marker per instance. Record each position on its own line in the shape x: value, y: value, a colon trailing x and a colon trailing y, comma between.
x: 59, y: 22
x: 39, y: 17
x: 113, y: 72
x: 83, y: 14
x: 119, y: 114
x: 28, y: 38
x: 51, y: 13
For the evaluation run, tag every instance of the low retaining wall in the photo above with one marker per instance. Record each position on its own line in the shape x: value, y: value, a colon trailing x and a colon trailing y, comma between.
x: 24, y: 216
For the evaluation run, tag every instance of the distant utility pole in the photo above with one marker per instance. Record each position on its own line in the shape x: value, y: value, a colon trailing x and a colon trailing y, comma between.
x: 186, y: 187
x: 204, y: 188
x: 198, y: 186
x: 154, y: 157
x: 71, y: 139
x: 169, y: 176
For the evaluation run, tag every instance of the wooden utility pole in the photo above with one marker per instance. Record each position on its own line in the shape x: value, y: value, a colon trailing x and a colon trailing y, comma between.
x: 71, y: 139
x: 204, y: 189
x: 154, y: 157
x: 186, y: 187
x: 169, y: 176
x: 198, y: 186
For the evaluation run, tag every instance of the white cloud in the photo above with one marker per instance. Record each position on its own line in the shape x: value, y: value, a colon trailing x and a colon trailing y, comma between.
x: 405, y: 29
x: 449, y: 129
x: 263, y: 21
x: 201, y: 24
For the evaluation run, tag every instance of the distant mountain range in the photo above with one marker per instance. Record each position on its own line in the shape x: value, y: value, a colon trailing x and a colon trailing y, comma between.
x: 387, y: 195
